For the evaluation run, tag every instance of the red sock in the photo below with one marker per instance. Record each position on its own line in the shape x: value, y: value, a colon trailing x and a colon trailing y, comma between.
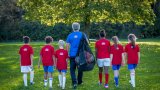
x: 106, y: 78
x: 100, y: 77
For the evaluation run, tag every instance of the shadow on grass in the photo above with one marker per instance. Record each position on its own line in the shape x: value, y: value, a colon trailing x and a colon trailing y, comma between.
x: 147, y: 72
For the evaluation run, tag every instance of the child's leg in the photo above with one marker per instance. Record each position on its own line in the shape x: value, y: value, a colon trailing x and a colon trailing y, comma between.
x: 100, y: 65
x: 50, y: 79
x: 50, y: 71
x: 45, y: 78
x: 63, y: 80
x: 132, y: 75
x: 60, y: 78
x: 106, y: 74
x: 116, y: 75
x: 25, y: 79
x: 100, y: 74
x: 31, y: 76
x: 132, y: 67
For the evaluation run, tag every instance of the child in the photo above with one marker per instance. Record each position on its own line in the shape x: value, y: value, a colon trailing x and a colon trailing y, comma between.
x: 117, y: 56
x: 102, y: 52
x: 61, y: 60
x: 26, y: 60
x: 133, y: 56
x: 47, y: 58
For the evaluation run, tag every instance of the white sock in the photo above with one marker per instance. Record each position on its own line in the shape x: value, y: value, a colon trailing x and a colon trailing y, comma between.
x: 133, y: 79
x: 45, y: 82
x: 50, y: 82
x: 60, y: 80
x: 31, y: 76
x: 64, y: 82
x: 25, y: 79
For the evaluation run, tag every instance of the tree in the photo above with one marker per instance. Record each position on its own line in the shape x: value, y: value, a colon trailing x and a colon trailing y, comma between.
x: 51, y: 12
x: 10, y: 15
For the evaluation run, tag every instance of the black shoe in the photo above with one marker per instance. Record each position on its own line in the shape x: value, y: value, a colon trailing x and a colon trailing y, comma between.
x: 74, y: 86
x: 32, y: 83
x: 80, y: 83
x: 50, y: 88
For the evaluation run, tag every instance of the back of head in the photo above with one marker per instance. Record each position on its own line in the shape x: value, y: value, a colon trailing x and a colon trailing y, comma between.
x: 26, y: 39
x: 76, y: 26
x: 102, y: 33
x: 48, y: 39
x: 115, y: 39
x: 132, y: 39
x: 61, y: 43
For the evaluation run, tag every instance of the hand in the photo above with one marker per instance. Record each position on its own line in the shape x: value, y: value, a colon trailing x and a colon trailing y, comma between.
x: 138, y: 61
x: 123, y: 63
x: 54, y: 65
x: 31, y: 66
x: 38, y: 66
x: 111, y: 64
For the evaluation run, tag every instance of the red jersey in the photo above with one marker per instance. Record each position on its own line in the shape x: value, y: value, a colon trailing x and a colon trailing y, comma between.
x: 132, y: 53
x: 103, y: 48
x: 25, y: 52
x: 117, y: 54
x: 47, y: 53
x: 61, y: 56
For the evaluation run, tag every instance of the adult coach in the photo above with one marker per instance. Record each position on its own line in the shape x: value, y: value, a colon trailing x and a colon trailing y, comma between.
x: 73, y: 41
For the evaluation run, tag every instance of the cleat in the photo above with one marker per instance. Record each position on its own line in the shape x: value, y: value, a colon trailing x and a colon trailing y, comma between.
x: 99, y: 83
x: 32, y: 83
x: 106, y: 86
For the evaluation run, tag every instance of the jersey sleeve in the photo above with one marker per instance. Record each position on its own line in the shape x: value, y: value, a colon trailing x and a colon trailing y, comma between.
x: 20, y: 51
x: 96, y: 45
x: 109, y: 43
x: 111, y: 50
x: 138, y: 49
x: 126, y: 49
x: 31, y: 50
x: 53, y: 51
x: 122, y: 49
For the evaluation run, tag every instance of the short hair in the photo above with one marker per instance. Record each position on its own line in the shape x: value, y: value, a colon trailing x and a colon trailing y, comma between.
x: 48, y: 39
x: 26, y: 39
x: 102, y: 33
x: 76, y: 26
x: 61, y: 43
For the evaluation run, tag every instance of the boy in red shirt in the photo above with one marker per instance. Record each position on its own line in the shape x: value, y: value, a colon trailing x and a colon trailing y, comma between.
x: 117, y: 56
x: 26, y: 60
x: 61, y: 63
x: 133, y: 56
x: 47, y: 58
x: 102, y: 52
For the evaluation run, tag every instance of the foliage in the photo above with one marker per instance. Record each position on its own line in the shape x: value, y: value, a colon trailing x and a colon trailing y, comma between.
x: 48, y: 17
x: 10, y: 15
x: 87, y: 11
x: 51, y: 12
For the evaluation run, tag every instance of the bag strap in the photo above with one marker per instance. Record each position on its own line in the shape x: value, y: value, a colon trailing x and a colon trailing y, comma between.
x: 82, y: 41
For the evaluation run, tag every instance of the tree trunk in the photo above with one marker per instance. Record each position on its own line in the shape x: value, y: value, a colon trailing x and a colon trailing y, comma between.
x: 87, y: 19
x: 87, y: 28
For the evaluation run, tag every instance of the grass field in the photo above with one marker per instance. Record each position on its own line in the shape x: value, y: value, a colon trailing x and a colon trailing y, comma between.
x: 147, y: 72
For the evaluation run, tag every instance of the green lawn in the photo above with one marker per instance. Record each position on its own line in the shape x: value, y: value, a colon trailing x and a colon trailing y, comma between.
x: 147, y: 72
